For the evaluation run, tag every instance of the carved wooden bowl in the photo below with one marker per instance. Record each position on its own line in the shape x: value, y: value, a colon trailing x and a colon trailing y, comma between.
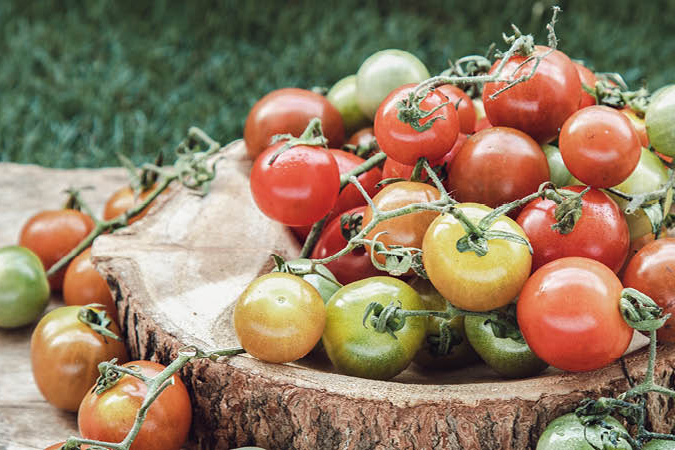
x: 176, y: 275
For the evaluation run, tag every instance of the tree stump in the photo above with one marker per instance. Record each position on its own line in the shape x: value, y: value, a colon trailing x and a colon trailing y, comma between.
x: 176, y: 275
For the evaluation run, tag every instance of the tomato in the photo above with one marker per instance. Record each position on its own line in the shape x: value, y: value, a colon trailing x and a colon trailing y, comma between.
x: 659, y: 444
x: 650, y: 271
x: 299, y: 187
x: 402, y: 142
x: 279, y: 317
x: 290, y: 110
x: 407, y: 230
x: 568, y: 433
x: 323, y: 281
x: 51, y: 235
x: 497, y: 166
x: 469, y: 281
x: 350, y: 197
x: 83, y: 285
x: 125, y: 199
x: 65, y: 353
x: 343, y: 96
x: 638, y: 124
x: 540, y: 105
x: 479, y: 109
x: 599, y: 146
x: 560, y: 176
x: 568, y: 312
x: 482, y: 124
x: 659, y: 121
x: 364, y: 137
x: 464, y: 106
x: 110, y: 415
x: 601, y: 233
x: 351, y: 267
x: 384, y: 71
x: 588, y: 78
x: 506, y: 356
x: 361, y: 351
x: 24, y: 290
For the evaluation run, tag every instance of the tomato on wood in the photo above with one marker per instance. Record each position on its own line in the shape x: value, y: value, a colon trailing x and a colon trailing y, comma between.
x: 83, y: 285
x: 125, y: 199
x: 568, y: 433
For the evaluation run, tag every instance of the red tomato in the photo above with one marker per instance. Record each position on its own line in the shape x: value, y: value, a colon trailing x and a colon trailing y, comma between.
x: 650, y: 271
x: 496, y: 166
x: 638, y: 124
x: 465, y: 108
x: 351, y: 267
x: 299, y: 187
x: 402, y: 142
x: 600, y: 234
x: 83, y: 285
x: 109, y: 416
x: 540, y: 105
x: 599, y: 146
x: 289, y: 110
x: 362, y: 137
x: 51, y: 235
x: 482, y: 124
x: 568, y: 312
x: 587, y: 77
x: 124, y: 199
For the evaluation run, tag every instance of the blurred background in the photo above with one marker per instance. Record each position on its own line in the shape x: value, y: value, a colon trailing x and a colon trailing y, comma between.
x: 81, y: 80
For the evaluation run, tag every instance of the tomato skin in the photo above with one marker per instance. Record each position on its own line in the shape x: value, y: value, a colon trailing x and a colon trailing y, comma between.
x: 560, y: 176
x: 124, y: 199
x: 343, y: 96
x: 540, y: 105
x: 638, y: 124
x: 659, y: 120
x: 469, y: 281
x: 279, y: 317
x: 362, y: 137
x: 65, y: 354
x: 659, y: 444
x: 83, y: 285
x: 587, y: 77
x: 289, y: 110
x: 51, y: 235
x: 361, y: 351
x: 110, y: 416
x: 482, y: 124
x: 350, y: 197
x: 465, y: 109
x: 24, y: 289
x: 600, y: 234
x: 496, y: 166
x: 568, y: 433
x: 400, y: 141
x: 568, y: 312
x: 650, y: 272
x: 599, y: 146
x: 299, y: 188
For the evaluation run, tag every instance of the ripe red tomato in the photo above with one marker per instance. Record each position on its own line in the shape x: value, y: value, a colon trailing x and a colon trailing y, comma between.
x: 599, y: 146
x: 355, y: 265
x: 540, y: 105
x: 587, y: 77
x: 299, y: 188
x: 600, y: 234
x: 83, y: 285
x: 402, y: 142
x: 110, y: 415
x: 362, y: 137
x: 123, y: 200
x: 465, y: 108
x: 51, y: 235
x: 496, y: 166
x: 568, y: 312
x: 289, y: 110
x: 650, y: 271
x: 482, y: 124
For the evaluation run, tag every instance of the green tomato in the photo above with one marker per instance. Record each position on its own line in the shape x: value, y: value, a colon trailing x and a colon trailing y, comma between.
x: 560, y: 176
x: 24, y: 290
x: 567, y: 433
x: 507, y: 357
x: 659, y: 444
x: 659, y: 121
x: 381, y: 73
x: 360, y: 350
x: 323, y: 281
x: 343, y: 96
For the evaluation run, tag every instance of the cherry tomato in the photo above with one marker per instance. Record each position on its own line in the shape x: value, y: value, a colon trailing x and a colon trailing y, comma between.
x: 638, y: 124
x: 279, y: 317
x: 464, y: 106
x: 125, y: 199
x: 362, y: 137
x: 601, y: 233
x: 540, y: 105
x: 568, y: 312
x: 402, y: 142
x: 497, y: 166
x: 24, y: 290
x: 65, y: 353
x: 51, y: 235
x: 350, y: 197
x: 83, y: 285
x: 482, y: 124
x: 568, y: 433
x: 289, y: 110
x: 468, y: 281
x: 299, y: 187
x: 560, y: 176
x: 599, y: 146
x: 588, y: 78
x: 343, y: 96
x: 650, y: 271
x: 361, y: 351
x: 659, y: 121
x: 110, y: 415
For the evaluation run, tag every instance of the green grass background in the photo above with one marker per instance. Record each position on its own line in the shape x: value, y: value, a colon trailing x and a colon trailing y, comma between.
x: 81, y: 80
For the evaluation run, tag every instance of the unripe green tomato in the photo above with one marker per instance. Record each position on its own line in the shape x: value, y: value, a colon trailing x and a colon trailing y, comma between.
x: 381, y: 73
x: 659, y: 120
x: 24, y: 289
x: 659, y: 444
x: 560, y: 176
x: 567, y: 433
x: 507, y: 356
x: 343, y: 96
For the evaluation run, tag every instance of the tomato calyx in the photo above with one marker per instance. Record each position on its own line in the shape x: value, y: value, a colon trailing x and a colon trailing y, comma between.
x: 110, y: 375
x: 99, y: 321
x: 350, y: 225
x: 312, y: 137
x: 640, y: 311
x: 409, y: 111
x: 611, y: 90
x: 568, y: 211
x: 470, y: 66
x: 441, y: 171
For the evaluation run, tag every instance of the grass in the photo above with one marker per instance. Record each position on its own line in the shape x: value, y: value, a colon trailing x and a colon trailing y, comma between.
x: 80, y: 81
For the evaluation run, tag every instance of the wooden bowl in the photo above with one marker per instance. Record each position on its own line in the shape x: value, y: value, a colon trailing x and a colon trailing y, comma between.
x: 176, y: 275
